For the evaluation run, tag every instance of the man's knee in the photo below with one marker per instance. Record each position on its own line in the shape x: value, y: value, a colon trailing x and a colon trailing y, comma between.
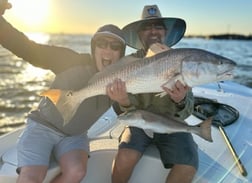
x: 181, y: 173
x: 127, y: 158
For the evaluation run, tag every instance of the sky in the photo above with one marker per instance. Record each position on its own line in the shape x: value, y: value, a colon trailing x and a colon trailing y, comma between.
x: 203, y: 17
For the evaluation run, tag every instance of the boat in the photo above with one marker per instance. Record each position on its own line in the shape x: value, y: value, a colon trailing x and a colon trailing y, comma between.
x: 225, y: 160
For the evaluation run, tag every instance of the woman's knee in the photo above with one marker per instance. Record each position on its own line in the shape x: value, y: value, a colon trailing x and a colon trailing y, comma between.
x: 75, y: 173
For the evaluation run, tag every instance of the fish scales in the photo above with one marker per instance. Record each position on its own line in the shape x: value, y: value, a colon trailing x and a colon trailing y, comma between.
x: 136, y: 76
x: 190, y: 66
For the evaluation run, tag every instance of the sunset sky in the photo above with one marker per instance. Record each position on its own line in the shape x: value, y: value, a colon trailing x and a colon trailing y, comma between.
x: 203, y: 17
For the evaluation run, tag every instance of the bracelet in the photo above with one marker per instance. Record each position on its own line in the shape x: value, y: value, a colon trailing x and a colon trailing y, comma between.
x: 127, y: 108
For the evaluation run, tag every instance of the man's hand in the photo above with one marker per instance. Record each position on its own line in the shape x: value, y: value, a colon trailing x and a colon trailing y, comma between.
x: 156, y: 48
x: 117, y: 92
x: 4, y: 5
x: 178, y: 92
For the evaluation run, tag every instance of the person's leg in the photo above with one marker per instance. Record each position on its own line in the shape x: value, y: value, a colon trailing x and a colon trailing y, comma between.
x: 72, y: 155
x: 133, y: 143
x: 73, y: 167
x: 32, y: 174
x: 33, y: 153
x: 124, y: 164
x: 181, y: 173
x: 179, y: 152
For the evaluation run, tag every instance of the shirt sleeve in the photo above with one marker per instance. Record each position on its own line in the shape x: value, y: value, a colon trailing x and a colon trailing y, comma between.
x: 187, y: 110
x: 133, y: 104
x: 49, y: 57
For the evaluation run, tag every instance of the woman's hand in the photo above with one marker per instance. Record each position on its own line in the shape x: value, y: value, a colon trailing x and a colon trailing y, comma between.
x: 117, y: 91
x: 4, y: 5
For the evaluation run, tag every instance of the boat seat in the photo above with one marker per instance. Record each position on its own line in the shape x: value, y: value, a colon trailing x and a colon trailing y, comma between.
x: 10, y: 156
x: 9, y: 159
x: 103, y: 158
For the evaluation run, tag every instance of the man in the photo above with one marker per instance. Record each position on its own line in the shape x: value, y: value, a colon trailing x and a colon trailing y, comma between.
x: 178, y: 151
x: 45, y: 133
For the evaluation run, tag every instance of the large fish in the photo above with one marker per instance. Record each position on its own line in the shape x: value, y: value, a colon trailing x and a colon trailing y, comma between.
x: 153, y: 123
x: 190, y: 66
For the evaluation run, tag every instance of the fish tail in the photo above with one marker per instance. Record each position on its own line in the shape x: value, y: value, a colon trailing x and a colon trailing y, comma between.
x: 66, y: 102
x: 52, y: 94
x: 205, y: 129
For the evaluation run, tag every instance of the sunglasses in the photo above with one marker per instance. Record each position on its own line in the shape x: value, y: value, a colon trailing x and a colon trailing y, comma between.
x: 103, y: 44
x: 150, y: 26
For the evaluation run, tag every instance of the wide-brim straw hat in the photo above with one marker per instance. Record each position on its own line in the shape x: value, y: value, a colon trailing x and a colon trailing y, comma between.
x: 175, y: 27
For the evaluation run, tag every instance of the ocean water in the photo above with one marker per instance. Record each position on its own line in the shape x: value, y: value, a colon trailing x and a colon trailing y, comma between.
x: 21, y: 83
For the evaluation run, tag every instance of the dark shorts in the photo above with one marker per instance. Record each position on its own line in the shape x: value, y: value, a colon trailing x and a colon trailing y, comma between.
x: 175, y: 148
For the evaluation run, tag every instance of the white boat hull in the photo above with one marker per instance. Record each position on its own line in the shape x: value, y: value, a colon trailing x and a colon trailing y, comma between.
x: 216, y: 162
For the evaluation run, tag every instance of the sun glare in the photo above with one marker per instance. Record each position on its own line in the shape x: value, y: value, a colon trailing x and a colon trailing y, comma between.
x: 32, y: 12
x: 38, y: 37
x: 35, y: 73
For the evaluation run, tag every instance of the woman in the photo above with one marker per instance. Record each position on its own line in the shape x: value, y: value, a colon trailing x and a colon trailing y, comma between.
x: 45, y: 133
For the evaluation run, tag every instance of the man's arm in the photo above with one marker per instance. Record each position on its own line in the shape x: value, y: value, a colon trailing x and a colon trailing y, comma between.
x: 182, y: 97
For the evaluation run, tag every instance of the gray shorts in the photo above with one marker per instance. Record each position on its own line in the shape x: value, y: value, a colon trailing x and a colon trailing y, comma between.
x: 175, y: 148
x: 38, y: 143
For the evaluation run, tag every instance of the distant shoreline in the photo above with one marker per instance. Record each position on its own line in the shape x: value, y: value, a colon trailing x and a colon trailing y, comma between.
x: 223, y: 36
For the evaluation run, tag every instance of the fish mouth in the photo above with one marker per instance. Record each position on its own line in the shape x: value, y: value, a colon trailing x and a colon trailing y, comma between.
x: 227, y: 74
x: 106, y: 62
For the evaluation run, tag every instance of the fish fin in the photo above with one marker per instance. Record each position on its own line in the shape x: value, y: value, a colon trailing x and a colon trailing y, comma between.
x: 161, y: 94
x: 149, y: 133
x: 171, y: 82
x: 52, y: 94
x: 205, y: 129
x: 156, y: 48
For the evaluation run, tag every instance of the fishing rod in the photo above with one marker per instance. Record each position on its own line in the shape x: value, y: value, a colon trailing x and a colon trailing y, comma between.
x: 233, y: 152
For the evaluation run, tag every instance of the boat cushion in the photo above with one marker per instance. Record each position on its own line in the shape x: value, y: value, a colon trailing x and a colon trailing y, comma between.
x: 10, y: 156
